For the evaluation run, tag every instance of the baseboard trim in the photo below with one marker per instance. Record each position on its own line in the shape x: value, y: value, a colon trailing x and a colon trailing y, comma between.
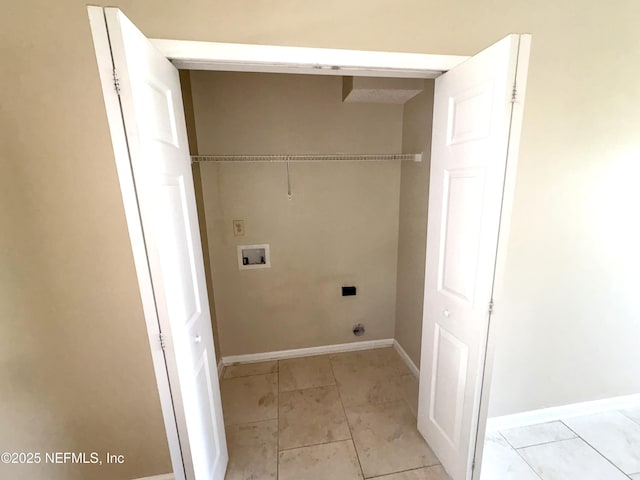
x: 164, y: 476
x: 307, y: 352
x: 220, y: 368
x: 564, y: 411
x: 406, y: 358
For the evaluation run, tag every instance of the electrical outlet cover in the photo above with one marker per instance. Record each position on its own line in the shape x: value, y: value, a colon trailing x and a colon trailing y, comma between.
x: 238, y: 228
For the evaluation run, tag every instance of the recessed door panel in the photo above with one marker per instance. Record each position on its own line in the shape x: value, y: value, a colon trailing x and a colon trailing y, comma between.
x: 176, y: 245
x: 461, y: 221
x: 466, y: 120
x: 449, y: 379
x: 207, y: 452
x: 161, y: 126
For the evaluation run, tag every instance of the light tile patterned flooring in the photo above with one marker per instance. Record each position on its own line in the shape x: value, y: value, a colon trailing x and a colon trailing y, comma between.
x: 344, y: 416
x: 604, y: 446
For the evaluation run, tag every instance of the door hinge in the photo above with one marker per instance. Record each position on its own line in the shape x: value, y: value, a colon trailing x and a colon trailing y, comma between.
x: 162, y: 344
x: 116, y: 81
x: 514, y: 94
x: 490, y: 307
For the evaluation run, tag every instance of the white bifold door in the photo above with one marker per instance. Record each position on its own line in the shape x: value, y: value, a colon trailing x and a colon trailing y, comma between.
x: 152, y: 115
x: 476, y: 119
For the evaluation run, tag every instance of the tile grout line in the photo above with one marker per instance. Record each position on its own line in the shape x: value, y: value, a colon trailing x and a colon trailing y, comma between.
x: 221, y: 380
x: 405, y: 471
x: 402, y: 401
x: 249, y: 375
x: 314, y: 444
x: 536, y: 444
x: 621, y: 412
x: 519, y: 455
x: 594, y: 449
x: 308, y: 388
x: 576, y: 436
x: 346, y: 418
x: 251, y: 422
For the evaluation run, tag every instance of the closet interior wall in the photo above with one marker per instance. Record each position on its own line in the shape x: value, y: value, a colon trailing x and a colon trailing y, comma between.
x: 412, y: 230
x: 340, y: 227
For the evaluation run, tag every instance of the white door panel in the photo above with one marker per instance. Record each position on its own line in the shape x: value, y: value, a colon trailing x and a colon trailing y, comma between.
x: 471, y: 128
x: 153, y: 116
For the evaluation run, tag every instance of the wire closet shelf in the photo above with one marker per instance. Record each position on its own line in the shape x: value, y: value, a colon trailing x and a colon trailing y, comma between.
x: 415, y: 157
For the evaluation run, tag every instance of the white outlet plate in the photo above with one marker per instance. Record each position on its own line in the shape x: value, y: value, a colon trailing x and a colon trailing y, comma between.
x: 238, y: 228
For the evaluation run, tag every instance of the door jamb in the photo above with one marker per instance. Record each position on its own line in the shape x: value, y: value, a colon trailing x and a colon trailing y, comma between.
x: 303, y: 60
x: 513, y: 148
x: 136, y: 235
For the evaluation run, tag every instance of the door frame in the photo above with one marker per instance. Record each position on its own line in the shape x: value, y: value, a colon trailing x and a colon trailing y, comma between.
x: 216, y: 56
x: 506, y: 213
x: 113, y: 109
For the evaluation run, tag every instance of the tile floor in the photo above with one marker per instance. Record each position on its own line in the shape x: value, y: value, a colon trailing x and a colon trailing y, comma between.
x: 344, y: 416
x: 604, y: 446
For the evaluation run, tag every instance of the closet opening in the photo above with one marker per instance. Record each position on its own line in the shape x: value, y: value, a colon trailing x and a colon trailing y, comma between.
x: 332, y: 173
x: 323, y: 212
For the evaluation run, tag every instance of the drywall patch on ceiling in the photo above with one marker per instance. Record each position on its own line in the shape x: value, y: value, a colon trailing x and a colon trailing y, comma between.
x: 380, y: 90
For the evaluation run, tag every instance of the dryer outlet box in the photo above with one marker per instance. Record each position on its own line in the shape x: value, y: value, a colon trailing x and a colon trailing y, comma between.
x: 348, y: 291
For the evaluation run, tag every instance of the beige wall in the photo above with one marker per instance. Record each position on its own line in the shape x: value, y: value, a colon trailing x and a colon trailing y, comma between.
x: 254, y: 113
x: 75, y: 366
x: 71, y: 322
x: 339, y: 228
x: 412, y: 231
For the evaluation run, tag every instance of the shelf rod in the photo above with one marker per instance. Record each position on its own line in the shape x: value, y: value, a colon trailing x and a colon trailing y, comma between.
x: 416, y: 157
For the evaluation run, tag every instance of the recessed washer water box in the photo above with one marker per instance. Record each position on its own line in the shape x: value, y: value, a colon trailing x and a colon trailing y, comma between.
x: 251, y: 257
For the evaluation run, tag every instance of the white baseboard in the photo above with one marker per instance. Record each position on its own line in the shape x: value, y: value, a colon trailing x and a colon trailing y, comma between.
x: 164, y: 476
x: 307, y: 352
x: 220, y: 368
x: 406, y: 358
x: 564, y: 411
